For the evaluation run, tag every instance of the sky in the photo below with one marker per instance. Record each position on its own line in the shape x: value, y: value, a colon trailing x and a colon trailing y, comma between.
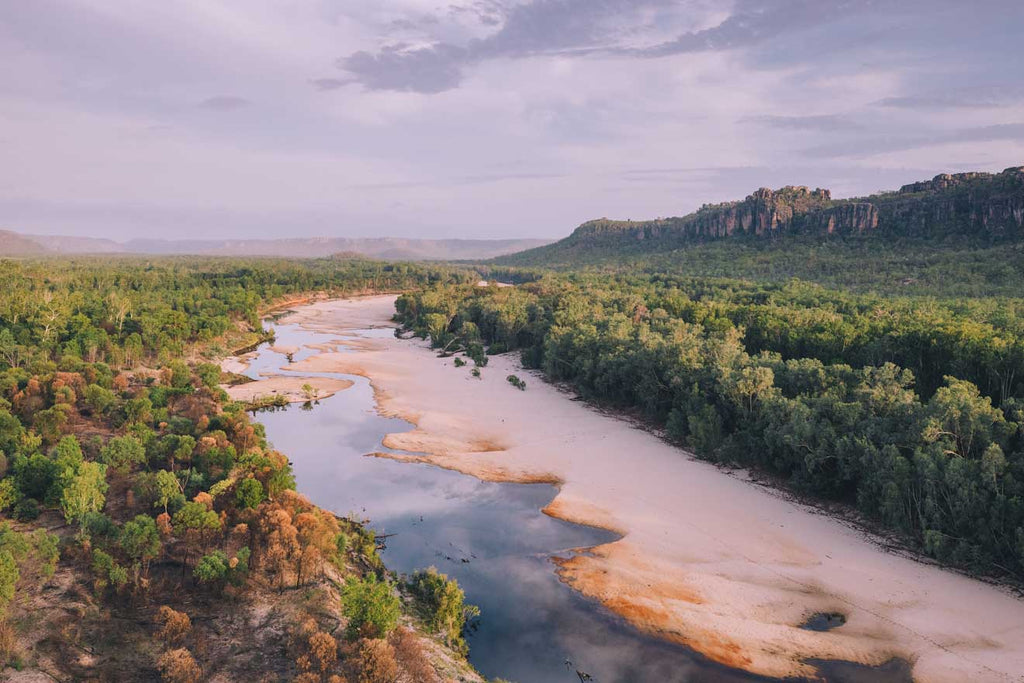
x: 483, y: 118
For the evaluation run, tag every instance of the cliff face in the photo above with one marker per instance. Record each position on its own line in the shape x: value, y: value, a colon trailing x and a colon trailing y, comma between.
x: 974, y: 204
x: 765, y: 212
x: 850, y: 218
x: 981, y: 205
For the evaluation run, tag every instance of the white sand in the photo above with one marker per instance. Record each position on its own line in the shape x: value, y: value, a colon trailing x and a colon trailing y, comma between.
x: 708, y: 559
x: 284, y: 349
x: 237, y: 364
x: 289, y: 387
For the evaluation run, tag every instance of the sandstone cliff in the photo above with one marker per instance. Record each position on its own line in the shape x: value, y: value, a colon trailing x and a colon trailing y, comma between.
x: 983, y: 206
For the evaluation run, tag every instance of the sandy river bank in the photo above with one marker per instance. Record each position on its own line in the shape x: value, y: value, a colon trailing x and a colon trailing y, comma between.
x: 707, y: 558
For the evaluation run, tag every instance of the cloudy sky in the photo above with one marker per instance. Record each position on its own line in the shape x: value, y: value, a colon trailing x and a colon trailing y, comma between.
x: 483, y: 118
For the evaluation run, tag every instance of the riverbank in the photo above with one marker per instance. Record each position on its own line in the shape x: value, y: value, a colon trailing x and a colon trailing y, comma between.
x: 707, y: 559
x: 291, y: 389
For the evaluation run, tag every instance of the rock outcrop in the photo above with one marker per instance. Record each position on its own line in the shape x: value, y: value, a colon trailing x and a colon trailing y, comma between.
x: 765, y: 212
x: 983, y: 206
x: 972, y: 204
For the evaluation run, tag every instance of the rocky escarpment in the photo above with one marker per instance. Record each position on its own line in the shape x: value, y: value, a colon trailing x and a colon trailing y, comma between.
x: 849, y: 218
x: 765, y: 212
x: 982, y: 206
x: 973, y: 204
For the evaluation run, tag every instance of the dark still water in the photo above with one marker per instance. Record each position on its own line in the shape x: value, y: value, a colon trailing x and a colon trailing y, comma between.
x: 491, y: 537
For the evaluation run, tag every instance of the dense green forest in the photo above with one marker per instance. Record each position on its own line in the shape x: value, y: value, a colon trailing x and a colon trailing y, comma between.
x: 129, y: 310
x: 908, y: 407
x: 125, y: 467
x: 900, y: 267
x: 155, y: 511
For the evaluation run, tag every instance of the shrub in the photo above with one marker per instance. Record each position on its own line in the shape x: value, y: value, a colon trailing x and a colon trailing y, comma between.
x: 108, y: 572
x: 516, y: 382
x: 211, y: 567
x: 249, y: 493
x: 179, y: 666
x: 321, y: 653
x: 444, y: 603
x: 122, y: 452
x: 98, y: 399
x: 371, y: 606
x: 9, y: 575
x: 140, y: 539
x: 412, y: 656
x: 26, y: 510
x: 35, y: 476
x: 97, y: 525
x: 174, y: 626
x: 377, y: 662
x: 9, y: 494
x: 194, y: 516
x: 209, y: 374
x: 9, y: 654
x: 476, y: 351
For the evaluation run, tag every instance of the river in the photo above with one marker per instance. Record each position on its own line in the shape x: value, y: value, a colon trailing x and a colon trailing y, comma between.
x: 490, y: 537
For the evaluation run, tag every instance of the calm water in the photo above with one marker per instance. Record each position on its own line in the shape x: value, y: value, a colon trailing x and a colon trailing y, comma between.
x: 491, y: 537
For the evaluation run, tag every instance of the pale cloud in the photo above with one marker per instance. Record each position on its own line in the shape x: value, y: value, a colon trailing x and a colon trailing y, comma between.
x: 971, y: 97
x: 224, y: 102
x: 483, y: 118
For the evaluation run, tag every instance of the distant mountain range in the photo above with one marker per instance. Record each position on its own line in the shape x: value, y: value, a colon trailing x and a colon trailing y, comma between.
x: 385, y: 248
x: 981, y: 206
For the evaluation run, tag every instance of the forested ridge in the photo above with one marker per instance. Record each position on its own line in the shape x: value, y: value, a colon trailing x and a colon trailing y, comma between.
x: 908, y: 408
x: 964, y: 211
x: 946, y: 269
x: 145, y: 522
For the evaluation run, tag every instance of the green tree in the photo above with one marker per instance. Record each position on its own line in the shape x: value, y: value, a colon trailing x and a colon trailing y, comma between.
x: 194, y: 521
x: 209, y: 374
x: 445, y: 605
x: 138, y: 410
x: 107, y: 570
x: 122, y: 452
x: 9, y: 494
x: 212, y: 567
x: 180, y: 375
x: 11, y: 352
x: 249, y: 493
x: 371, y: 606
x: 11, y: 433
x: 35, y: 476
x: 86, y: 492
x: 49, y: 423
x: 195, y: 516
x: 964, y: 421
x: 167, y: 488
x: 68, y: 458
x: 140, y: 540
x: 98, y: 399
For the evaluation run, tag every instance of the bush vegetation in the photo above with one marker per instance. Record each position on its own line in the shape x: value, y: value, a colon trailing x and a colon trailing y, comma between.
x: 909, y: 408
x: 166, y: 488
